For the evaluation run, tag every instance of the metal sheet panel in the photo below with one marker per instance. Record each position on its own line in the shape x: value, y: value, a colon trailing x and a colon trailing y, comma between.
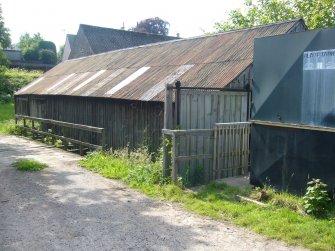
x: 287, y: 89
x: 286, y: 158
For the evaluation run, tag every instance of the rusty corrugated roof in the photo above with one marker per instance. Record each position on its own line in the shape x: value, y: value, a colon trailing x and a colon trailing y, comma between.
x: 140, y: 73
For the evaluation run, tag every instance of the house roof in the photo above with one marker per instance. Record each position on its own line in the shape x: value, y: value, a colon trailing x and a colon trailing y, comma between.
x: 141, y: 73
x: 71, y: 38
x: 92, y: 40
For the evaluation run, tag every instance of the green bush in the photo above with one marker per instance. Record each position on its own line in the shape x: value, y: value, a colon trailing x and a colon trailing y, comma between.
x: 30, y: 53
x: 316, y: 199
x: 47, y: 45
x: 13, y: 79
x: 47, y: 56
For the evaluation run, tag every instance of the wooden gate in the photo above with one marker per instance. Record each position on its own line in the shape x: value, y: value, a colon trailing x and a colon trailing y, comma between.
x: 202, y: 155
x: 231, y: 149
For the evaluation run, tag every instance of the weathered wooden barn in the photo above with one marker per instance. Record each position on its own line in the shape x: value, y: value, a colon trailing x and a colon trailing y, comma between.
x: 123, y: 90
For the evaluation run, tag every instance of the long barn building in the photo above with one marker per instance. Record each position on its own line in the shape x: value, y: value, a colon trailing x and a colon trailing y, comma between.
x: 123, y: 90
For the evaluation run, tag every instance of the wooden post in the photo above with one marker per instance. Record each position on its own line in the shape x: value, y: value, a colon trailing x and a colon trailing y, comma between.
x: 103, y: 140
x: 214, y: 155
x: 177, y: 106
x: 168, y: 116
x: 33, y: 127
x: 174, y: 162
x: 168, y: 122
x: 25, y: 127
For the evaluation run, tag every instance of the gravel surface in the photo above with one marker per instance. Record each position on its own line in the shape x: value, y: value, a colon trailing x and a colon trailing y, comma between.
x: 65, y: 207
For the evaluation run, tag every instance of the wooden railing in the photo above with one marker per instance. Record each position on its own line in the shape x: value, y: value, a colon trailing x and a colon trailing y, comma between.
x: 47, y: 124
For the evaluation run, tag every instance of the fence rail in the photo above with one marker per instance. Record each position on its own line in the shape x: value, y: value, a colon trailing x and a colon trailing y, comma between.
x: 43, y: 130
x: 216, y: 153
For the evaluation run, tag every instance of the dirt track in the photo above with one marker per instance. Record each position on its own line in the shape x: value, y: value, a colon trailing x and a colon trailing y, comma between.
x: 65, y: 207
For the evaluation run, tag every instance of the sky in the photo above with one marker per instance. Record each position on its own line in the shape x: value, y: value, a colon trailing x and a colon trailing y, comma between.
x: 54, y: 19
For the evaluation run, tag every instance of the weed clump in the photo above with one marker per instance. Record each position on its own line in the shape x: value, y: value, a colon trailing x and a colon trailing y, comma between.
x: 29, y: 165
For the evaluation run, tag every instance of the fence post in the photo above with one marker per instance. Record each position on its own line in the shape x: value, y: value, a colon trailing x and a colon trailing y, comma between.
x: 214, y: 154
x: 168, y: 122
x: 173, y: 157
x: 103, y: 140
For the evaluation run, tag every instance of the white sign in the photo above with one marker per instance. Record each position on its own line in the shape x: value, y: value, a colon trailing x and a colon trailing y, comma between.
x: 319, y: 60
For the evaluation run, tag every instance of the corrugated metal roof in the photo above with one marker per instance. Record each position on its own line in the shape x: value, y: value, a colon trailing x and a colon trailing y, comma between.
x: 140, y: 73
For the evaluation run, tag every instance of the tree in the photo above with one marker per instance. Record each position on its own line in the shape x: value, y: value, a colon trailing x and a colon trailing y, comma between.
x: 4, y: 33
x: 47, y: 45
x: 152, y: 25
x: 47, y: 56
x: 27, y: 41
x: 316, y: 13
x: 60, y: 53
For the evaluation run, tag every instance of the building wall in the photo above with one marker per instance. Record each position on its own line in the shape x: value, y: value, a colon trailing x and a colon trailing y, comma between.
x: 127, y: 123
x: 67, y: 50
x: 13, y: 55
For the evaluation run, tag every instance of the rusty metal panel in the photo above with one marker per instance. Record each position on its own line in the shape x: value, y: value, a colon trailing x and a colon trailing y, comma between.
x: 218, y: 60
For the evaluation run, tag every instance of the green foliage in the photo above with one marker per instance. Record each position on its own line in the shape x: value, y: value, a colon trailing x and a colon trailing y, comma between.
x: 13, y: 79
x: 136, y: 168
x: 30, y: 53
x: 47, y: 45
x: 34, y: 48
x: 27, y: 41
x: 316, y: 13
x: 3, y: 60
x: 5, y: 41
x: 60, y: 53
x: 316, y: 199
x: 47, y: 56
x: 7, y: 123
x: 29, y: 165
x: 154, y: 25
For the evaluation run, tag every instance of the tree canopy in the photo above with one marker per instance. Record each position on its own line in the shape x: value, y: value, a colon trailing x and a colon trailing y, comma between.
x: 35, y: 48
x: 154, y: 25
x: 316, y: 13
x: 5, y: 41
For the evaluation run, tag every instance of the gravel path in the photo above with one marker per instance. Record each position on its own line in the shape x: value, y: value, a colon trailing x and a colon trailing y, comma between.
x: 65, y: 207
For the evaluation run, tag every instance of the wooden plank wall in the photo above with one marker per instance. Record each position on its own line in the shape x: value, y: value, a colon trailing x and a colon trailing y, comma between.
x: 127, y: 123
x: 202, y: 109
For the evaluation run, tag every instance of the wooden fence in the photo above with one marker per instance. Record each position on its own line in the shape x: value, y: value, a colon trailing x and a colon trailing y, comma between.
x: 231, y: 149
x: 202, y: 155
x: 59, y: 130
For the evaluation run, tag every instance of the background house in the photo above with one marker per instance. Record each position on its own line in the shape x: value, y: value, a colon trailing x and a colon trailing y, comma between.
x: 91, y: 40
x: 123, y: 90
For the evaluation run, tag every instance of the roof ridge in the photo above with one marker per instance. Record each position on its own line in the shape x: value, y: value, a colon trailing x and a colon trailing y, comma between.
x: 120, y: 30
x: 190, y: 38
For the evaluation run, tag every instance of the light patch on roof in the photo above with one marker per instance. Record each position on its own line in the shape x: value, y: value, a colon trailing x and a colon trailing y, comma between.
x: 77, y: 78
x: 153, y: 91
x: 60, y: 82
x: 127, y: 81
x: 104, y: 82
x: 88, y: 80
x: 30, y: 85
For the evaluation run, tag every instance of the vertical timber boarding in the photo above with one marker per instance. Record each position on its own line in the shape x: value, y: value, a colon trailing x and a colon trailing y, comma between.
x: 197, y: 144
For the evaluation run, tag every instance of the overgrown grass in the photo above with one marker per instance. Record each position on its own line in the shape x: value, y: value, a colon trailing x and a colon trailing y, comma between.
x: 7, y: 123
x: 29, y: 165
x: 281, y: 219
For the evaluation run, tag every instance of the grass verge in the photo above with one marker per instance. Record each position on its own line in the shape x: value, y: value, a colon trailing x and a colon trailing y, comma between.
x: 7, y: 122
x: 280, y: 219
x: 29, y: 165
